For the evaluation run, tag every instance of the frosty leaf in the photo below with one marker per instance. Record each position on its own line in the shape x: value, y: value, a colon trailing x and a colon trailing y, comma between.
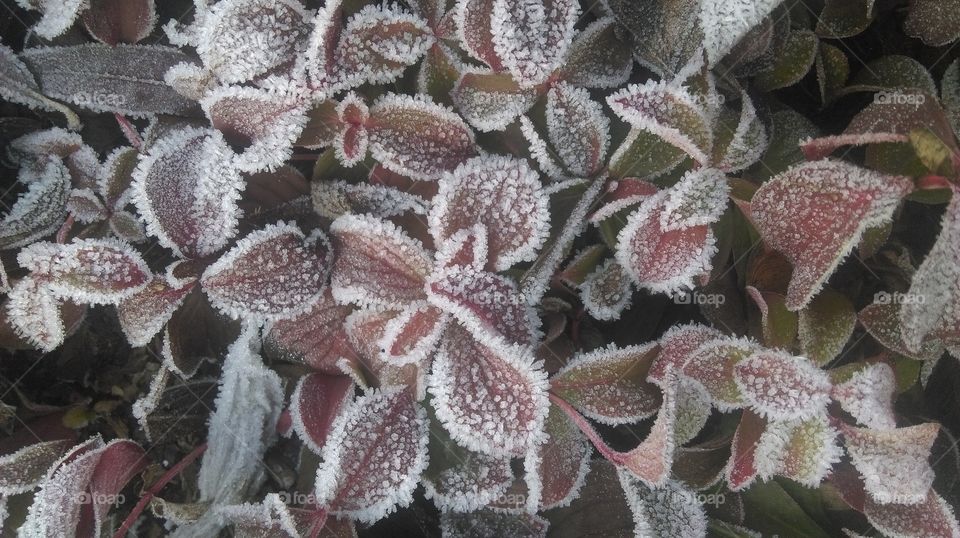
x: 531, y: 38
x: 562, y: 461
x: 936, y: 23
x: 659, y: 260
x: 474, y: 20
x: 882, y: 321
x: 578, y: 129
x: 315, y: 404
x: 797, y: 56
x: 491, y: 101
x: 607, y: 291
x: 816, y: 212
x: 375, y: 464
x: 243, y: 39
x: 669, y: 112
x: 93, y: 271
x: 677, y: 346
x: 782, y: 387
x: 24, y: 469
x: 264, y: 124
x: 18, y: 85
x: 34, y: 314
x: 712, y: 365
x: 609, y: 385
x: 670, y: 510
x: 85, y: 206
x: 125, y: 78
x: 120, y: 461
x: 58, y: 16
x: 418, y: 138
x: 825, y: 325
x: 377, y: 263
x: 893, y: 463
x: 317, y: 337
x: 693, y: 410
x: 868, y: 396
x: 490, y: 522
x: 275, y: 272
x: 366, y: 329
x: 622, y: 194
x: 120, y: 21
x: 490, y: 398
x: 466, y: 248
x: 597, y: 57
x: 116, y: 174
x: 749, y: 141
x: 742, y: 467
x: 143, y: 314
x: 725, y: 23
x: 412, y: 335
x: 932, y: 516
x: 39, y: 211
x: 473, y: 480
x: 803, y: 451
x: 700, y: 197
x: 503, y: 194
x: 322, y: 126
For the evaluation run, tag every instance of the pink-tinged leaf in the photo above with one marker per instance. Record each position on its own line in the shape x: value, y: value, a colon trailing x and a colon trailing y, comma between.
x: 816, y: 212
x: 668, y: 111
x: 474, y: 480
x: 261, y: 125
x: 273, y: 273
x: 562, y: 462
x: 143, y: 314
x: 578, y: 129
x: 376, y: 461
x: 466, y: 248
x: 742, y: 467
x: 92, y: 271
x: 85, y: 206
x: 670, y: 510
x: 677, y: 346
x: 332, y: 199
x: 491, y: 522
x: 749, y: 141
x: 317, y: 337
x: 607, y: 291
x: 893, y: 463
x: 868, y: 396
x: 622, y: 194
x: 882, y: 321
x: 377, y: 263
x: 491, y: 101
x: 474, y: 19
x: 712, y: 365
x: 700, y: 197
x: 780, y: 386
x: 609, y: 385
x: 315, y: 404
x: 185, y: 193
x: 42, y: 209
x: 804, y: 451
x: 240, y: 40
x: 597, y: 57
x: 365, y: 329
x: 412, y: 335
x: 34, y: 313
x: 932, y: 516
x: 531, y: 38
x: 120, y: 21
x: 24, y: 469
x: 492, y: 399
x: 488, y: 304
x: 418, y: 138
x: 503, y: 194
x: 120, y: 461
x: 659, y: 260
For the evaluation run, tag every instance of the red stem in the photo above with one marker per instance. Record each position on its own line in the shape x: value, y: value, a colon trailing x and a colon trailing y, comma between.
x: 129, y: 131
x: 65, y: 229
x: 612, y: 455
x: 155, y: 488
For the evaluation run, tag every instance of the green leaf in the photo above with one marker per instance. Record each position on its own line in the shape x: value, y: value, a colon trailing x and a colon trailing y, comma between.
x: 793, y: 63
x: 771, y: 510
x: 833, y: 69
x: 844, y: 18
x: 825, y: 325
x: 893, y: 72
x: 932, y: 152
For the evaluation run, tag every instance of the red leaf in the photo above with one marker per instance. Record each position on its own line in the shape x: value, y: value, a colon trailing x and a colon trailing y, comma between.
x: 882, y: 321
x: 120, y: 461
x: 366, y: 329
x: 375, y: 464
x: 742, y: 469
x: 931, y: 517
x: 412, y: 335
x: 143, y: 314
x: 120, y: 21
x: 677, y: 346
x: 712, y: 365
x: 622, y: 194
x: 491, y: 101
x: 466, y: 248
x: 473, y: 23
x: 275, y: 272
x: 893, y: 463
x: 815, y: 213
x: 317, y: 337
x: 780, y: 386
x: 315, y: 404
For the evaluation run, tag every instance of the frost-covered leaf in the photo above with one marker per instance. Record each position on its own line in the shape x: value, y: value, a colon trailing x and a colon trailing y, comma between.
x: 413, y: 334
x: 562, y: 462
x: 670, y: 510
x: 34, y: 313
x: 467, y: 483
x: 609, y: 385
x: 275, y: 272
x: 377, y: 263
x: 932, y: 516
x: 58, y: 15
x: 937, y: 23
x: 85, y: 206
x: 143, y: 314
x: 25, y: 468
x: 668, y: 111
x: 332, y: 199
x: 741, y: 470
x: 115, y: 176
x: 780, y: 386
x: 488, y: 304
x: 315, y: 404
x: 882, y: 321
x: 418, y: 138
x: 18, y: 85
x: 803, y: 451
x: 712, y: 365
x: 724, y: 23
x: 841, y: 18
x: 120, y: 21
x: 491, y: 101
x: 816, y: 212
x: 42, y: 209
x: 693, y: 410
x: 491, y: 398
x: 531, y: 37
x: 677, y: 346
x: 659, y: 260
x: 578, y: 129
x: 379, y: 453
x: 474, y: 20
x: 93, y: 271
x: 598, y: 58
x: 366, y: 329
x: 893, y: 463
x: 317, y: 337
x: 621, y: 195
x: 127, y: 79
x: 825, y: 325
x: 868, y: 396
x: 503, y: 194
x: 264, y: 123
x: 606, y: 292
x: 490, y: 522
x: 466, y: 248
x: 700, y: 197
x: 798, y: 54
x: 749, y: 141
